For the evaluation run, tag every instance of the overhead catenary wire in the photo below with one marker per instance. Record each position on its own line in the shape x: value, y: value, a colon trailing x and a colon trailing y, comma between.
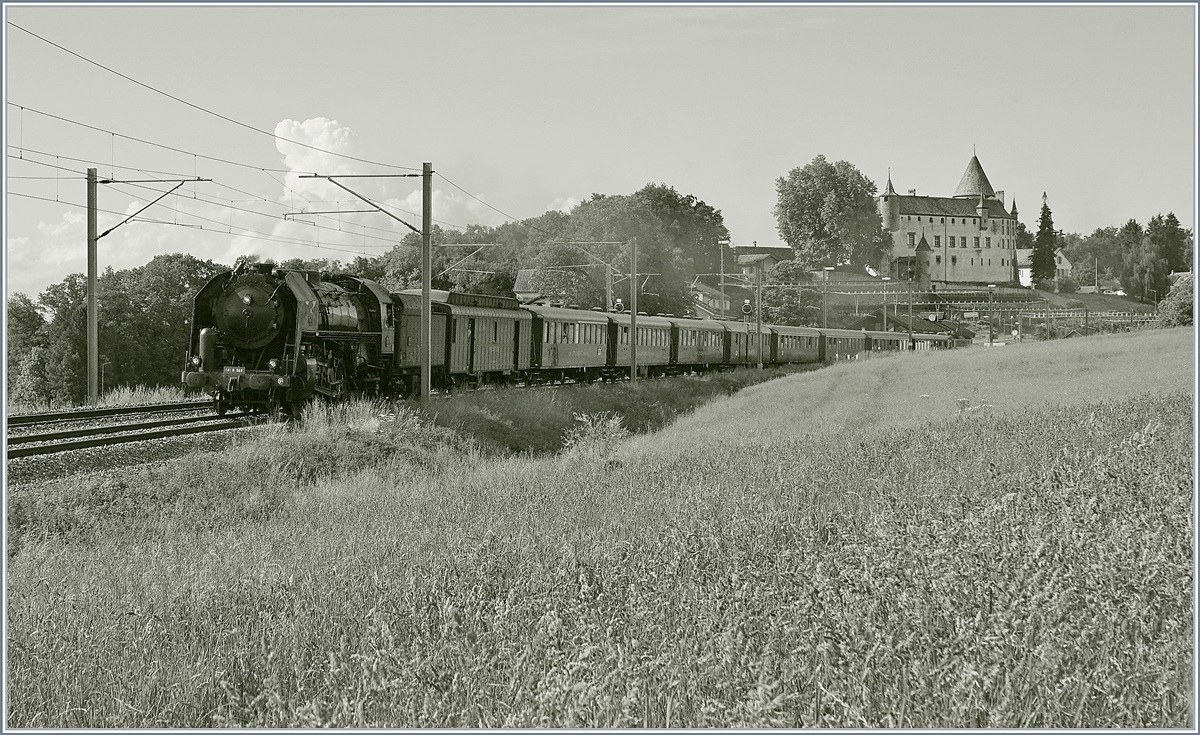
x: 210, y: 200
x: 204, y: 109
x: 248, y: 234
x: 252, y: 195
x: 266, y: 171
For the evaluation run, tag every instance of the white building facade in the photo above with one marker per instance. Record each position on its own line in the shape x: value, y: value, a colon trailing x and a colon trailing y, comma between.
x: 971, y: 236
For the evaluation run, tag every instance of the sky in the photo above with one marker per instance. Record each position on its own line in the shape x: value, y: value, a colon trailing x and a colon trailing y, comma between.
x: 524, y: 109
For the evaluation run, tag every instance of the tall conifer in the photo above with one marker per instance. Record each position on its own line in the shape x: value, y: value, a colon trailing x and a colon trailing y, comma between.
x: 1044, y: 245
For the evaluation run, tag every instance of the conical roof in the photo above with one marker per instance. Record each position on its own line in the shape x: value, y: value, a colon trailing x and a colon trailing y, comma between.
x: 974, y: 182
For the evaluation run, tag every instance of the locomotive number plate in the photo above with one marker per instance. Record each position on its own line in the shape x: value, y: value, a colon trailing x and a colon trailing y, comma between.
x: 235, y: 369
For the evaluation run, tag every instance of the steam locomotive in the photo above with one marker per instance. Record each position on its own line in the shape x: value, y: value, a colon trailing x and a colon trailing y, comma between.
x: 268, y: 338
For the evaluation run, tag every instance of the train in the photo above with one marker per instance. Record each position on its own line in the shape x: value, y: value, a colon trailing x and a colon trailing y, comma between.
x: 268, y: 338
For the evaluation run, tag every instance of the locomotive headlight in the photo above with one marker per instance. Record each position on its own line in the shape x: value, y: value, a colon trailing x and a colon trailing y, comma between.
x: 247, y: 300
x: 196, y: 361
x: 273, y: 363
x: 281, y: 381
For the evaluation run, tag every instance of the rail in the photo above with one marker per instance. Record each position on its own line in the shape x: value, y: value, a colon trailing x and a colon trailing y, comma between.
x: 89, y: 413
x: 52, y: 443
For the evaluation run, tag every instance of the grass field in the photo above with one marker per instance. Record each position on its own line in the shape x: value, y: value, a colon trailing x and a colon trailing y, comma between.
x: 969, y: 539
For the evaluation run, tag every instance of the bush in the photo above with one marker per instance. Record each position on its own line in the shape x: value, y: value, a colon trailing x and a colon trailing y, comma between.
x: 1176, y: 309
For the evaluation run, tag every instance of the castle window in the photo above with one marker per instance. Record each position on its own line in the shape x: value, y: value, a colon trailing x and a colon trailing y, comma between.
x: 977, y: 242
x: 989, y: 241
x: 989, y: 261
x: 942, y: 221
x: 1002, y: 261
x: 953, y: 260
x: 972, y: 261
x: 939, y: 260
x: 937, y: 241
x: 918, y: 218
x: 951, y: 220
x: 912, y: 238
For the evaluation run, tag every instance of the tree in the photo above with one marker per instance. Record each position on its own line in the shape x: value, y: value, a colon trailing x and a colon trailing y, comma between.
x: 1170, y: 240
x: 1176, y: 309
x: 695, y: 229
x: 25, y: 328
x: 66, y: 339
x: 664, y: 271
x: 1044, y: 246
x: 144, y: 315
x: 796, y: 304
x: 1144, y: 267
x: 826, y: 212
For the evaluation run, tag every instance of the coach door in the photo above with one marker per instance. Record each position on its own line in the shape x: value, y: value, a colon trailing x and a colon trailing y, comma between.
x: 471, y: 346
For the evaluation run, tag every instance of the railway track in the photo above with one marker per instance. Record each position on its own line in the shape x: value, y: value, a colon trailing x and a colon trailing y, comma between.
x: 30, y: 419
x: 78, y: 437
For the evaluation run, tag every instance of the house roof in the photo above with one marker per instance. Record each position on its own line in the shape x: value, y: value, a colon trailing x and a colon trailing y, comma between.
x: 974, y: 182
x: 524, y: 282
x: 778, y: 252
x: 757, y: 258
x: 948, y: 206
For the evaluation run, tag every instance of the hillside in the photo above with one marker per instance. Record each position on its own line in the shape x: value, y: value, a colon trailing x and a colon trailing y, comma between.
x: 979, y: 538
x: 1094, y: 302
x: 908, y: 393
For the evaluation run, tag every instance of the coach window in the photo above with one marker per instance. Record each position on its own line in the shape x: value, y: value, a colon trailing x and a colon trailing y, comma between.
x: 453, y: 330
x: 495, y: 331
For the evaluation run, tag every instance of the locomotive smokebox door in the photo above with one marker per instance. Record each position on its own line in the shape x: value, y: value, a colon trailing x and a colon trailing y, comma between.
x: 248, y: 316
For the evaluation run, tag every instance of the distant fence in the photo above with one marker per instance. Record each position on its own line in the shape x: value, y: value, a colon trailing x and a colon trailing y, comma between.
x: 1037, y: 325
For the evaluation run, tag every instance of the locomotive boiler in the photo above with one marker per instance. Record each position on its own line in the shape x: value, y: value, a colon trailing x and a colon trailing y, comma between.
x: 269, y: 338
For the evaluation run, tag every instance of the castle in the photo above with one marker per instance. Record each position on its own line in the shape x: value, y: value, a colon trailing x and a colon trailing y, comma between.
x: 967, y: 238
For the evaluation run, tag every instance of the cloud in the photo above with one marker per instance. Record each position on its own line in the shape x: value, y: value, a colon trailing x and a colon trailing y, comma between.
x: 298, y: 143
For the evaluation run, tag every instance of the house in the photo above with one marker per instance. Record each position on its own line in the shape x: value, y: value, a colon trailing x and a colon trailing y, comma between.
x: 1062, y: 266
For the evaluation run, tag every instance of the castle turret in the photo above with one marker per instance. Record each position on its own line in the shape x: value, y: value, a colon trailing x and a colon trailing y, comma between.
x: 889, y: 210
x: 924, y: 264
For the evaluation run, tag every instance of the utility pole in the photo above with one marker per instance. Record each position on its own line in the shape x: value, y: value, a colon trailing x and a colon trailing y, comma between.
x: 722, y: 244
x: 633, y: 308
x: 883, y: 325
x: 825, y: 298
x: 991, y: 312
x: 426, y: 280
x: 910, y: 321
x: 758, y: 309
x: 93, y: 329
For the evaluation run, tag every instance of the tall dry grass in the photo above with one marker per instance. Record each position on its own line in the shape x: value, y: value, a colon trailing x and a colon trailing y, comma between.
x: 120, y: 396
x: 881, y: 559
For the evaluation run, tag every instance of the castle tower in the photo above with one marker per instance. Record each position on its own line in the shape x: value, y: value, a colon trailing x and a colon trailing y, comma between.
x: 888, y: 211
x: 924, y: 264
